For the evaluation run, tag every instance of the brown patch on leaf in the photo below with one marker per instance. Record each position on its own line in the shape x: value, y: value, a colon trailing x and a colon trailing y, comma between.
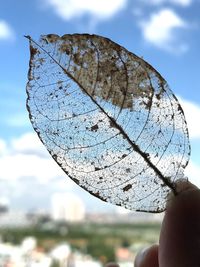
x: 52, y: 37
x: 33, y: 51
x: 127, y: 187
x: 94, y: 128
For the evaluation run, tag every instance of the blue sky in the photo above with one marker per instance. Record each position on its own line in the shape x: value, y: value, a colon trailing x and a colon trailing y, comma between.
x: 166, y: 33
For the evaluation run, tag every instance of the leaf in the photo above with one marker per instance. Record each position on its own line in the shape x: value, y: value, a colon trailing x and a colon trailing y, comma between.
x: 108, y: 119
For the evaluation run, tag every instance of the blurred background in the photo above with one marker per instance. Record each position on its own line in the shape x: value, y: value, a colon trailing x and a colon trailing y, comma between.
x: 45, y: 219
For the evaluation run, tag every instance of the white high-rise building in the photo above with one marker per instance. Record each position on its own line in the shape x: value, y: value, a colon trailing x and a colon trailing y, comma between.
x: 68, y: 207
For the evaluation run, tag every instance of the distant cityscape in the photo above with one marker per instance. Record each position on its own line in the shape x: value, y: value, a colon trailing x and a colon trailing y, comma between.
x: 70, y: 208
x: 65, y: 209
x: 28, y: 254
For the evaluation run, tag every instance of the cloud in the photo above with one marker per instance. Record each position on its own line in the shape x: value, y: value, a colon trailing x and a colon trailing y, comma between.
x: 99, y: 9
x: 192, y: 114
x: 29, y: 176
x: 2, y: 147
x: 19, y: 166
x: 160, y: 30
x: 193, y: 173
x: 6, y: 33
x: 26, y: 158
x: 29, y: 144
x: 183, y: 3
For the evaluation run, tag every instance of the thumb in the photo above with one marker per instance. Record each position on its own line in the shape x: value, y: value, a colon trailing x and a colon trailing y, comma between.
x: 180, y: 233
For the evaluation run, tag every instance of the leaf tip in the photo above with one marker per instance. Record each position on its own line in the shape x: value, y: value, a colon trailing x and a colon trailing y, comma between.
x: 27, y: 37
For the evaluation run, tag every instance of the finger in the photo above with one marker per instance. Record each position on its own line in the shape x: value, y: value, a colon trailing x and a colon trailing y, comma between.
x: 147, y: 257
x: 180, y: 233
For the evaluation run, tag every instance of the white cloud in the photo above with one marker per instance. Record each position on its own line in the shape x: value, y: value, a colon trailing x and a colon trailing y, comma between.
x: 6, y: 32
x: 183, y: 3
x: 159, y: 30
x: 192, y: 114
x: 99, y: 9
x: 26, y: 158
x: 27, y: 144
x: 29, y: 176
x: 192, y: 171
x: 2, y: 147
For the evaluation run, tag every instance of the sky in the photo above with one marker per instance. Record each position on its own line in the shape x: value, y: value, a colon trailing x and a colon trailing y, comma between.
x: 166, y: 33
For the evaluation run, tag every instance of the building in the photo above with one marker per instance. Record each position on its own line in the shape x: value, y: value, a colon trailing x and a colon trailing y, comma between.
x: 14, y: 219
x: 67, y: 207
x: 4, y: 205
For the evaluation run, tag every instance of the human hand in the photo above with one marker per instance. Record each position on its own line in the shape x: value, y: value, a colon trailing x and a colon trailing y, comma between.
x: 179, y: 244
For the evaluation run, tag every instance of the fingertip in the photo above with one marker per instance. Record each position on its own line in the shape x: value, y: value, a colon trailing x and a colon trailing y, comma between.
x: 147, y: 257
x: 185, y: 185
x: 180, y: 232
